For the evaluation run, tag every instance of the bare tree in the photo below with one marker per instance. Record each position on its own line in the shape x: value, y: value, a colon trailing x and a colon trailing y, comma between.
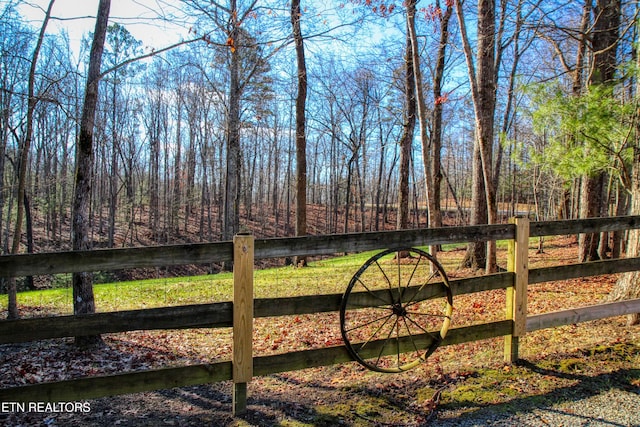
x: 407, y: 137
x: 430, y: 146
x: 23, y: 162
x: 121, y: 46
x: 435, y: 137
x: 83, y: 299
x: 301, y: 138
x: 482, y: 80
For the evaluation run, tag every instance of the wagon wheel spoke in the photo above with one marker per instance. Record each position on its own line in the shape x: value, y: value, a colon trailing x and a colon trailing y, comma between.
x: 387, y: 280
x: 421, y: 328
x: 386, y: 340
x: 372, y: 322
x: 377, y: 296
x: 413, y: 342
x: 417, y: 291
x: 408, y: 284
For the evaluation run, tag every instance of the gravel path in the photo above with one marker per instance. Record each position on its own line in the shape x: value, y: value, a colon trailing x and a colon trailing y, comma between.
x: 612, y: 408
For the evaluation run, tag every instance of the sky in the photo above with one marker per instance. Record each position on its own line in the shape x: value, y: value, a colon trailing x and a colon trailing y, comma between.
x: 78, y: 18
x: 142, y: 19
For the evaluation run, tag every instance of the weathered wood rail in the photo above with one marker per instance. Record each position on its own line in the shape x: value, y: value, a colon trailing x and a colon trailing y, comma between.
x: 239, y: 313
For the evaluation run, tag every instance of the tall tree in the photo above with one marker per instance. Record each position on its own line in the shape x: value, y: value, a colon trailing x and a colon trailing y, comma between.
x: 604, y: 42
x: 83, y: 298
x: 231, y: 215
x: 430, y: 151
x: 12, y: 67
x: 482, y: 80
x: 244, y: 60
x: 301, y: 138
x: 628, y: 285
x: 121, y: 45
x: 421, y: 104
x: 406, y: 140
x: 435, y: 138
x: 25, y: 149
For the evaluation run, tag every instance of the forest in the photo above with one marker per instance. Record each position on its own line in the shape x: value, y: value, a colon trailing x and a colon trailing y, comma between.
x: 314, y: 118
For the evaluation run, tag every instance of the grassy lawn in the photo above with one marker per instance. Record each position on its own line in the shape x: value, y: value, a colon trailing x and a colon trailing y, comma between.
x: 321, y: 277
x: 325, y: 276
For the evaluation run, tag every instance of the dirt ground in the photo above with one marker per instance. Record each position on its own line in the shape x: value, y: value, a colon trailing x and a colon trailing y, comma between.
x: 457, y: 383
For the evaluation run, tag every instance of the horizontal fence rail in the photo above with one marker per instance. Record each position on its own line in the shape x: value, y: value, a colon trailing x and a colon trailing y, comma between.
x: 214, y: 315
x: 578, y: 226
x: 136, y: 382
x: 586, y: 269
x: 221, y: 315
x: 583, y: 314
x: 206, y: 253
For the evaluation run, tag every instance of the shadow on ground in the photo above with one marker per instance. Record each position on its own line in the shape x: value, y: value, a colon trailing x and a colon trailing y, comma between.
x: 568, y: 403
x: 397, y: 403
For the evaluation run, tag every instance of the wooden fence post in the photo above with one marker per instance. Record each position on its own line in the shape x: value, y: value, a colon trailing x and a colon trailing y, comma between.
x: 243, y: 249
x: 518, y: 263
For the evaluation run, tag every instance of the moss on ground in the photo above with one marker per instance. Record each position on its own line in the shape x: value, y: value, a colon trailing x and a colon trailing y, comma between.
x: 499, y: 388
x: 360, y: 409
x: 545, y: 381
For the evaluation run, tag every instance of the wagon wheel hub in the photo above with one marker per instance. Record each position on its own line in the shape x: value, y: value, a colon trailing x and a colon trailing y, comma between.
x: 399, y: 310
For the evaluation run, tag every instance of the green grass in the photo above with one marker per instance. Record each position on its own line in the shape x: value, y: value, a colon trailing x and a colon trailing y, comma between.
x: 326, y: 276
x: 320, y: 277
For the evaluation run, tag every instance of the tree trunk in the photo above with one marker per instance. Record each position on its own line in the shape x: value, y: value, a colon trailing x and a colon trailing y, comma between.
x: 177, y: 173
x: 191, y: 172
x: 29, y: 230
x: 431, y: 146
x: 83, y: 300
x: 605, y: 41
x: 114, y: 169
x: 628, y: 285
x: 476, y: 255
x: 231, y: 218
x: 406, y: 139
x: 617, y: 240
x: 435, y: 140
x: 347, y: 197
x: 485, y: 111
x: 591, y: 199
x: 301, y: 139
x: 379, y: 177
x: 276, y: 176
x: 483, y: 89
x: 12, y: 309
x: 509, y: 115
x: 113, y: 196
x: 154, y: 187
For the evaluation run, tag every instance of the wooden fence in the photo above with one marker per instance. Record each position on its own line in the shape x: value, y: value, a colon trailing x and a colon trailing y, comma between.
x: 243, y: 251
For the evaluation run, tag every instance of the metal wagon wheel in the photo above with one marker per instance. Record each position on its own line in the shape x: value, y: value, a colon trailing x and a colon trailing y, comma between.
x: 396, y: 310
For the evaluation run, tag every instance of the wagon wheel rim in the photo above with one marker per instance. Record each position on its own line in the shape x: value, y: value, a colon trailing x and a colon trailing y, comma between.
x: 396, y: 310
